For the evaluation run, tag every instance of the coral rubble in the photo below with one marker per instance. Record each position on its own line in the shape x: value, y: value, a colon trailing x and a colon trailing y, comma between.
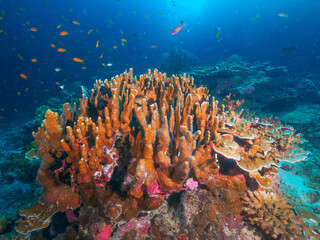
x: 135, y: 143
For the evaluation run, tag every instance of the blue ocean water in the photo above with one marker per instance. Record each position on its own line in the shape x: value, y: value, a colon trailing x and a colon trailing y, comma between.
x: 142, y: 24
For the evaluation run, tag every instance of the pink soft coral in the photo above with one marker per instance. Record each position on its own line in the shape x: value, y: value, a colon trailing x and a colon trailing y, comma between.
x: 104, y: 234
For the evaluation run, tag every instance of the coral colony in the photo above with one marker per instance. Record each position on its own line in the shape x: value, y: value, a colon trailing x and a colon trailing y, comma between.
x: 156, y: 157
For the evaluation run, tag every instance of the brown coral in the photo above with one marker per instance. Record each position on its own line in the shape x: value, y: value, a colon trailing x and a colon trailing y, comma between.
x: 271, y: 213
x: 36, y: 217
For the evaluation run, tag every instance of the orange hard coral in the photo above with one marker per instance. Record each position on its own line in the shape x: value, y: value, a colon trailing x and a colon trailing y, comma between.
x: 150, y: 134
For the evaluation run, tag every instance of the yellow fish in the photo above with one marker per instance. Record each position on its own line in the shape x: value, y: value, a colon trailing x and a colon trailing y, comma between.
x: 255, y: 17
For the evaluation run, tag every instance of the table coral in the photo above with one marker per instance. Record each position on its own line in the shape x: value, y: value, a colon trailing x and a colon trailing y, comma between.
x: 134, y: 140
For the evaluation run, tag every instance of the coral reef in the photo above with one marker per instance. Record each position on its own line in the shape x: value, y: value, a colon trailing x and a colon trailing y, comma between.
x: 312, y: 221
x: 137, y: 144
x: 308, y: 91
x: 272, y: 214
x: 3, y: 224
x: 18, y: 168
x: 236, y: 76
x: 177, y: 60
x: 264, y: 87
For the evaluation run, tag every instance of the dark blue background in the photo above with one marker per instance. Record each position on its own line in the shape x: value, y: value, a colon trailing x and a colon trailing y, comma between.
x: 261, y: 39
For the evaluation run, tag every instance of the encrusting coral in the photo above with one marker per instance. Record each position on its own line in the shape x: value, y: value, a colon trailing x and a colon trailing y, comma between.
x: 135, y: 140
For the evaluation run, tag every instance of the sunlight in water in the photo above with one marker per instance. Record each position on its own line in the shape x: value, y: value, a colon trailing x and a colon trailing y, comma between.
x: 189, y: 5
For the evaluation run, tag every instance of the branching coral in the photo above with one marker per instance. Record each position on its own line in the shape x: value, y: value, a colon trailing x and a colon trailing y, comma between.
x: 135, y: 139
x: 273, y: 215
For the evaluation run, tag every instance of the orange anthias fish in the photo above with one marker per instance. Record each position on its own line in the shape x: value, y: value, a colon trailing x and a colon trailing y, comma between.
x: 261, y: 189
x: 97, y: 44
x: 90, y: 31
x: 283, y: 15
x: 154, y: 46
x: 59, y: 26
x: 64, y: 33
x: 61, y: 50
x: 77, y: 60
x: 33, y: 29
x: 218, y: 33
x: 76, y: 22
x: 34, y: 60
x: 177, y: 29
x: 123, y: 40
x: 52, y: 45
x: 23, y: 76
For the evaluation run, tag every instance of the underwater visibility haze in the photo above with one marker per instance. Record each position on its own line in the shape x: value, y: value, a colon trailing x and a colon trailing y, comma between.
x: 160, y: 119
